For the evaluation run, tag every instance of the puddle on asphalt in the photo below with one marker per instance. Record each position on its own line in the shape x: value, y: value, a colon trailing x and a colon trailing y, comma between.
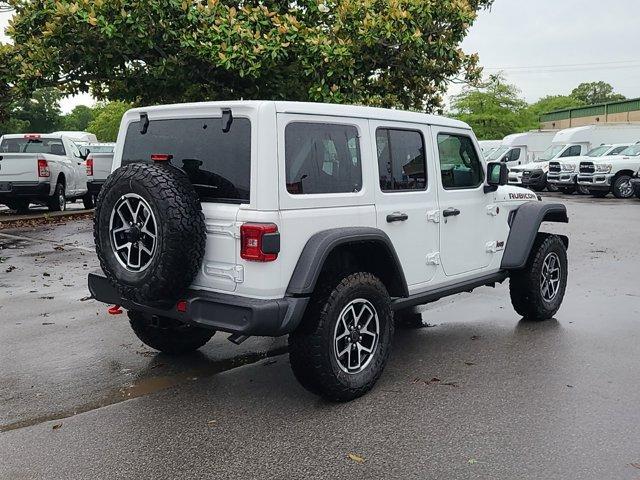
x: 148, y: 384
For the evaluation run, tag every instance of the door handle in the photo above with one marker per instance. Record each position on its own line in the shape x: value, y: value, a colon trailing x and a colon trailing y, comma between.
x: 397, y: 217
x: 451, y: 212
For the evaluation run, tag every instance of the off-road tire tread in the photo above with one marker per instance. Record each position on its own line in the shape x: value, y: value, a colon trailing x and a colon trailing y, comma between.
x: 178, y: 340
x: 183, y: 229
x: 524, y: 285
x: 88, y: 201
x: 311, y: 360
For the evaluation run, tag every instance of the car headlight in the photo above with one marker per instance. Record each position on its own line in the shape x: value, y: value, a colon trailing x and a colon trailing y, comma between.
x: 604, y: 168
x: 568, y: 168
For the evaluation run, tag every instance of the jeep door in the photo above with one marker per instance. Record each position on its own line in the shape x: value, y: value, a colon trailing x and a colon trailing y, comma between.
x: 406, y: 196
x: 466, y: 228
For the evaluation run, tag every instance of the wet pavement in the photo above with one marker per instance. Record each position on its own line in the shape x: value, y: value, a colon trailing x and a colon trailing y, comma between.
x: 480, y: 394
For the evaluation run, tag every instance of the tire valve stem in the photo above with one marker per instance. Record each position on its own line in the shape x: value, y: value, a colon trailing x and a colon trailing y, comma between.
x: 115, y: 310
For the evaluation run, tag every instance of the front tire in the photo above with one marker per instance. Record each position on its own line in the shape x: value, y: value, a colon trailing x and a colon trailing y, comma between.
x: 88, y: 201
x: 20, y: 206
x: 537, y: 290
x: 58, y: 202
x: 598, y: 193
x: 167, y: 335
x: 343, y: 344
x: 622, y: 187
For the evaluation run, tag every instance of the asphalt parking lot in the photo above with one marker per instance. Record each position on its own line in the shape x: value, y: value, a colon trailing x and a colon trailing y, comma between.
x: 479, y: 394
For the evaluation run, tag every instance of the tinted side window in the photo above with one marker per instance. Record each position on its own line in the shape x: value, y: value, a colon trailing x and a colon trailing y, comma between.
x: 617, y: 150
x: 460, y: 166
x: 401, y: 160
x: 322, y: 158
x: 573, y: 151
x: 514, y: 155
x: 218, y: 164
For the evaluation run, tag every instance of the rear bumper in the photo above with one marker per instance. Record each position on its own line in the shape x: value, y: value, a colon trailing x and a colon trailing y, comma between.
x: 95, y: 186
x: 28, y: 190
x: 222, y: 312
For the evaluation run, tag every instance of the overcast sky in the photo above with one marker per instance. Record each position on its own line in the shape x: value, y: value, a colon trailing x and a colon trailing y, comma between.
x: 546, y: 47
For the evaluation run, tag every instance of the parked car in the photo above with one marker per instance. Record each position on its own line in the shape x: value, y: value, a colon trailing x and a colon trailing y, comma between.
x: 41, y: 168
x: 99, y: 158
x: 521, y: 148
x: 564, y: 175
x: 613, y: 174
x: 573, y: 142
x: 313, y: 220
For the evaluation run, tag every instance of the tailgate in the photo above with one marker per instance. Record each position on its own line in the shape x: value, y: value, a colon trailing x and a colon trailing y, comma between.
x: 18, y: 167
x: 220, y: 270
x: 102, y: 165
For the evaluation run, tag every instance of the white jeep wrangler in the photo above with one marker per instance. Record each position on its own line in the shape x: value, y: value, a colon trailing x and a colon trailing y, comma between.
x: 324, y: 222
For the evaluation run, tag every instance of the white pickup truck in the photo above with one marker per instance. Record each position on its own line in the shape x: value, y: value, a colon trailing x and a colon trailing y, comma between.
x: 611, y: 174
x: 99, y: 158
x: 41, y: 168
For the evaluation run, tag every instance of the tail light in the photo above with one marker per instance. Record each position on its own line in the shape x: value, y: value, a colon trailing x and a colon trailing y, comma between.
x: 89, y: 163
x: 43, y: 168
x: 260, y: 242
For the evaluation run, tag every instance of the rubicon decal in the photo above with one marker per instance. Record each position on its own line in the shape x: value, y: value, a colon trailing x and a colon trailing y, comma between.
x: 523, y: 196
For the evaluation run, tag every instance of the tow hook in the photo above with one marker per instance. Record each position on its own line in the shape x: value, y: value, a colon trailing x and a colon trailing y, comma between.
x: 115, y: 310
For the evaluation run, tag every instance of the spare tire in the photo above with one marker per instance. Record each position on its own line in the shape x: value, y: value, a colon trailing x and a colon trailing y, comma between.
x: 149, y: 232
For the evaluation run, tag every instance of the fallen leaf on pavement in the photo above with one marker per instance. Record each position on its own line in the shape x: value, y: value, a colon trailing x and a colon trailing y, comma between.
x: 355, y: 458
x: 84, y: 299
x: 472, y: 461
x: 212, y: 422
x: 56, y: 426
x: 10, y: 269
x: 46, y: 274
x: 469, y: 363
x: 59, y: 248
x: 47, y: 298
x: 48, y: 323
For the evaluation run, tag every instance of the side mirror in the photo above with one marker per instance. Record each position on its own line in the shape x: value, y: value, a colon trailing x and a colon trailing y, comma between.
x: 497, y: 174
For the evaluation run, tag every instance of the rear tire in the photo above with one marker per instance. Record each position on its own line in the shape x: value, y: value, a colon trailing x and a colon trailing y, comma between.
x: 408, y: 319
x: 58, y: 202
x: 622, y: 187
x: 168, y: 336
x: 538, y: 289
x: 328, y: 352
x: 598, y: 193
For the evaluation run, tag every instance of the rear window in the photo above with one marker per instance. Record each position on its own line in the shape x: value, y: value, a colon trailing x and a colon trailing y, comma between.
x: 52, y: 146
x: 217, y: 163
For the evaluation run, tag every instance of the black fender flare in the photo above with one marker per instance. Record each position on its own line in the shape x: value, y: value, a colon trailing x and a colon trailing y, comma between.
x: 319, y: 247
x: 525, y: 223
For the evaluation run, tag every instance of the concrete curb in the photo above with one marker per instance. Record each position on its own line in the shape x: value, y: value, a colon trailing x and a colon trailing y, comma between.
x: 31, y: 220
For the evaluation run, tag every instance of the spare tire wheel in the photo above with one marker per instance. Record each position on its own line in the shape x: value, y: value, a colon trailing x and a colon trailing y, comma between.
x: 149, y: 232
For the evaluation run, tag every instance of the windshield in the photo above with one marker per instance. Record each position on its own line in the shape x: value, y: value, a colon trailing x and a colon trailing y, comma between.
x: 52, y: 146
x: 598, y: 151
x: 497, y: 153
x: 218, y: 164
x: 550, y: 153
x: 632, y: 151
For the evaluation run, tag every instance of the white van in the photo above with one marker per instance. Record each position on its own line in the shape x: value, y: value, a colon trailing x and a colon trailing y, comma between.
x: 520, y: 148
x: 489, y: 146
x: 572, y: 142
